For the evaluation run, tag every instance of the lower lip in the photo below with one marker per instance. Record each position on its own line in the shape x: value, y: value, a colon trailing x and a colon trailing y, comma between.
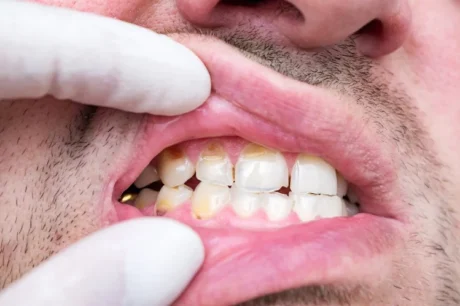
x: 243, y: 264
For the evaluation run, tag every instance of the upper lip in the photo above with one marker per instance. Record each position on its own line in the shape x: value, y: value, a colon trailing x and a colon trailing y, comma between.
x: 260, y: 105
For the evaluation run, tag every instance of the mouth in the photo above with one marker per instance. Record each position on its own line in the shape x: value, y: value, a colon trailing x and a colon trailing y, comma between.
x: 287, y: 184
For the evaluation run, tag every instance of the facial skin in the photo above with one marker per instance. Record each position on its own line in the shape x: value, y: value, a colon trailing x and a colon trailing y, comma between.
x: 56, y: 155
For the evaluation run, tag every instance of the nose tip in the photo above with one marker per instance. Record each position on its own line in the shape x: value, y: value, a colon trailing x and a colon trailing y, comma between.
x: 381, y: 27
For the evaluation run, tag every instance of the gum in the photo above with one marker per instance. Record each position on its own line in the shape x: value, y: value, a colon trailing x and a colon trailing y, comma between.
x: 225, y: 218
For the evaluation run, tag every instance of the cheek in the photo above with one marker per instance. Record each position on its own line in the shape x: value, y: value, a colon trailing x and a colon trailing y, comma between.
x: 120, y: 9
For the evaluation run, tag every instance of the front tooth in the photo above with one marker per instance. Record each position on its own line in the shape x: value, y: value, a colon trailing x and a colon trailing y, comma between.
x: 245, y: 204
x: 342, y: 185
x: 208, y: 199
x: 174, y: 167
x: 277, y: 206
x: 312, y: 174
x: 172, y: 197
x: 312, y: 207
x: 145, y: 198
x: 214, y: 166
x: 147, y: 177
x: 261, y: 170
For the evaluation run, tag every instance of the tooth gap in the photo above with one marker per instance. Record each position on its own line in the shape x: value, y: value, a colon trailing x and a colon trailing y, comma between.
x: 154, y: 186
x: 284, y: 190
x: 193, y: 182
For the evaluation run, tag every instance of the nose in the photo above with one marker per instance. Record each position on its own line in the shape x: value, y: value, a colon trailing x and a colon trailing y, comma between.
x: 378, y: 26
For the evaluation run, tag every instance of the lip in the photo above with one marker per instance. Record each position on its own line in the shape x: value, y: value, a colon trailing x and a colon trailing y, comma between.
x: 262, y: 106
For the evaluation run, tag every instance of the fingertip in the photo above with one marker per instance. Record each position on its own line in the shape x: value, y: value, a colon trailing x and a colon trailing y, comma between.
x: 157, y: 272
x: 188, y: 78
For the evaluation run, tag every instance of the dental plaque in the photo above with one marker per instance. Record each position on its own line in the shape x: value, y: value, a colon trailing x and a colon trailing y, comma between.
x: 243, y: 185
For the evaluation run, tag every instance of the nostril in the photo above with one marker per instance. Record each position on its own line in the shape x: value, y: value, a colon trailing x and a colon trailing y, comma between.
x: 374, y: 28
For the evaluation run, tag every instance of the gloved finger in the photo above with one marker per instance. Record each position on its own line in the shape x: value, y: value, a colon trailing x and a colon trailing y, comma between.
x: 142, y: 262
x: 96, y: 60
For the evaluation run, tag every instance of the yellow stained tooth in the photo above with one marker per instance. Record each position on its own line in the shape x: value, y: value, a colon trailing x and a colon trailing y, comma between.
x: 174, y: 167
x: 208, y: 199
x: 261, y: 170
x: 214, y: 166
x: 172, y: 197
x: 213, y: 151
x: 253, y: 150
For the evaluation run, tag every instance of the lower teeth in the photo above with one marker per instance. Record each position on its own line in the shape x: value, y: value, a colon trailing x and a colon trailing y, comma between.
x: 208, y: 200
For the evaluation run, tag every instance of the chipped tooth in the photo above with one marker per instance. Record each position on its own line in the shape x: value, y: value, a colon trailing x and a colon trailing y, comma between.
x: 214, y: 166
x: 208, y: 199
x: 174, y: 167
x: 147, y: 177
x: 146, y: 198
x: 277, y: 206
x: 312, y: 207
x: 312, y: 174
x: 342, y: 185
x: 245, y: 204
x: 172, y: 197
x: 261, y: 170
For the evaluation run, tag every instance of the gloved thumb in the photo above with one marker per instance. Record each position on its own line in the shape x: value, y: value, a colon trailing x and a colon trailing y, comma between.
x: 146, y: 261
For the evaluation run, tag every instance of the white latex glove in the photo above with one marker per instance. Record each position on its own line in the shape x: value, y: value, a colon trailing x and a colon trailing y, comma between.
x: 95, y: 60
x: 143, y: 262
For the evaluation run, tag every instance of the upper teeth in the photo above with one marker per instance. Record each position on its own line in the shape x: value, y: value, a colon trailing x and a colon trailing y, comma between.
x: 261, y: 170
x: 311, y: 174
x: 214, y: 166
x: 174, y: 167
x: 148, y: 176
x: 316, y: 188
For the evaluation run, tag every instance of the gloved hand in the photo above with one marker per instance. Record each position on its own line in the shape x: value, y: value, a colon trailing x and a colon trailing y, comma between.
x: 104, y: 62
x: 143, y: 262
x: 95, y: 60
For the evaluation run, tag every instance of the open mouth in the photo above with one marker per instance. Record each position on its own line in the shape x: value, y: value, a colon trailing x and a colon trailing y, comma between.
x: 198, y: 181
x: 286, y: 184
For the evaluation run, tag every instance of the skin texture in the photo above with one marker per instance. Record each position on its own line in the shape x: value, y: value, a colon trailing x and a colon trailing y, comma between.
x: 55, y: 155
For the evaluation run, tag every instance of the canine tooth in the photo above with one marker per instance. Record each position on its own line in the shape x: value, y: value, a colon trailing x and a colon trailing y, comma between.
x: 312, y: 174
x: 172, y: 197
x: 146, y: 197
x: 261, y: 170
x: 312, y: 207
x: 174, y: 167
x: 208, y: 199
x: 277, y: 206
x: 245, y: 204
x: 214, y: 166
x: 342, y: 185
x: 147, y: 177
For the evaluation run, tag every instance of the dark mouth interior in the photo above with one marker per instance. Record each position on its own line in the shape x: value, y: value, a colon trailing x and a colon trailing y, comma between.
x: 129, y: 195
